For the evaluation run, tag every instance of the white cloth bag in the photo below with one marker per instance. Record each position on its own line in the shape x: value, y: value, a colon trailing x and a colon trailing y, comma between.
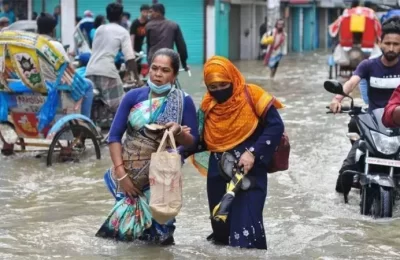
x: 165, y: 178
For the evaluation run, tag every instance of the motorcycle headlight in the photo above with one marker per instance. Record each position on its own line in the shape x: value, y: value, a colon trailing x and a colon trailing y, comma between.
x: 386, y: 144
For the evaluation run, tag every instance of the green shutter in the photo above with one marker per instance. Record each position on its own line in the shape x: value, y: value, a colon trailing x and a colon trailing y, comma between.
x: 222, y: 29
x: 98, y: 7
x: 50, y: 5
x: 37, y: 6
x: 190, y: 17
x: 188, y: 14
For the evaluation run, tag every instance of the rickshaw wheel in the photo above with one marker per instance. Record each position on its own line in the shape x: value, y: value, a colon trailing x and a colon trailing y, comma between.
x: 73, y: 149
x: 8, y: 147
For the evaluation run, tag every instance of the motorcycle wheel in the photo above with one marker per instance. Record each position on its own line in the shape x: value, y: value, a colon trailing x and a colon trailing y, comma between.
x: 366, y: 200
x: 382, y: 205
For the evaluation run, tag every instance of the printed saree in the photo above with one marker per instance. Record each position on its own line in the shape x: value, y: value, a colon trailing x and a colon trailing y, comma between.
x: 136, y: 152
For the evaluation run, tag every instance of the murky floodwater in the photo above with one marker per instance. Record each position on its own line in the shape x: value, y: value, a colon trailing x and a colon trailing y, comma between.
x: 49, y: 213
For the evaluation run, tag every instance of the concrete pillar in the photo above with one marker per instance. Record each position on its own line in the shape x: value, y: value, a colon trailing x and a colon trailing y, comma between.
x: 68, y: 14
x: 30, y: 9
x: 211, y: 29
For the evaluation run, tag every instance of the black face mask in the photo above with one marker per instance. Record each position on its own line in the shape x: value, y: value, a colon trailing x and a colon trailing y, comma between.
x: 222, y: 95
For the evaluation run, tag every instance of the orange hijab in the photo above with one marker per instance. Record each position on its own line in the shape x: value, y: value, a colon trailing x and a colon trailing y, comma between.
x: 228, y: 124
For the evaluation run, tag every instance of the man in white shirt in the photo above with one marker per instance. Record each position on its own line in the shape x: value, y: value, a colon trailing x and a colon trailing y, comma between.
x: 110, y: 38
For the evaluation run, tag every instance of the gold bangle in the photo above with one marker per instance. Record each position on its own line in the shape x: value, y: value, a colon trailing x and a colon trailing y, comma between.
x: 180, y: 132
x: 123, y: 177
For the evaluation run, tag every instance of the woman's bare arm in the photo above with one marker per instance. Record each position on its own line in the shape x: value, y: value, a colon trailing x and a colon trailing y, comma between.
x: 116, y: 154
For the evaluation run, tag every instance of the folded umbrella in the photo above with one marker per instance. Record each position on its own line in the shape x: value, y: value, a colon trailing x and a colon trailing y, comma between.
x: 231, y: 172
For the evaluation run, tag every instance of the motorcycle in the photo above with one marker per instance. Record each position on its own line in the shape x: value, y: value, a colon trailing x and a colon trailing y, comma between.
x: 101, y: 114
x: 377, y: 157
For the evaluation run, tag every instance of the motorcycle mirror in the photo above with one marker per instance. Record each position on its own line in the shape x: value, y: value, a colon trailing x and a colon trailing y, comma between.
x: 334, y: 86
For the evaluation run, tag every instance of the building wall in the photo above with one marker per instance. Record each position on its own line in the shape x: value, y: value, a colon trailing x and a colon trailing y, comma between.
x: 247, y: 17
x: 49, y: 6
x: 98, y: 7
x: 323, y: 27
x: 37, y: 6
x: 234, y: 32
x: 222, y: 11
x: 211, y: 31
x: 304, y: 28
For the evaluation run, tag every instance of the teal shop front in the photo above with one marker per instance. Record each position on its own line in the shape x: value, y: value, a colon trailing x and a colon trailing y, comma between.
x: 304, y: 28
x: 188, y: 14
x: 47, y: 6
x: 222, y: 16
x: 96, y: 6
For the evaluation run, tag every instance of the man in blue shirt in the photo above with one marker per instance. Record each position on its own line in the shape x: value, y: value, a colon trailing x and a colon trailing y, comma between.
x: 7, y: 12
x: 383, y: 77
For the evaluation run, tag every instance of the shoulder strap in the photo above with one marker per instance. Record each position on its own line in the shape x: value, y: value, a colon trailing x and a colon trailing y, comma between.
x: 249, y: 100
x: 251, y: 103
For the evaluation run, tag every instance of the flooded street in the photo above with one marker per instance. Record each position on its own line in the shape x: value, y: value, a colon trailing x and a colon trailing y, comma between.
x: 49, y: 213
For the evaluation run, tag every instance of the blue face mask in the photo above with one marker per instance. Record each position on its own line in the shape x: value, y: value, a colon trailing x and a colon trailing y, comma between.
x: 159, y: 89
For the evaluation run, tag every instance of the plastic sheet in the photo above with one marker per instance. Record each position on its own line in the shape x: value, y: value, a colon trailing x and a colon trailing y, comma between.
x: 3, y: 107
x: 49, y: 109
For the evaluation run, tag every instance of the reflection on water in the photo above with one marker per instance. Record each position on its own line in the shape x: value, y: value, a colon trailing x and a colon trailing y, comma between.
x: 54, y: 212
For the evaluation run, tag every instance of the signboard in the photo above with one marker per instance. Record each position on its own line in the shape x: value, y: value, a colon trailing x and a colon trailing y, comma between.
x: 26, y: 103
x: 25, y: 124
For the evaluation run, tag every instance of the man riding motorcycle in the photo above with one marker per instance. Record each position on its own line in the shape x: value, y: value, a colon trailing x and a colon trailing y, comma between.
x: 383, y: 76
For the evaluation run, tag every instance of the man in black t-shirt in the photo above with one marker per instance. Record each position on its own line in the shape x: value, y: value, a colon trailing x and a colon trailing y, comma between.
x: 138, y: 31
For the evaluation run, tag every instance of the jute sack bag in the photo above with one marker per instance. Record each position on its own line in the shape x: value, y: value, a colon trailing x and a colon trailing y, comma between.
x: 165, y: 179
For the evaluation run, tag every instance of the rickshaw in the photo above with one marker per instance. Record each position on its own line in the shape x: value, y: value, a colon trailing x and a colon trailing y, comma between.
x: 23, y: 25
x: 36, y: 111
x: 358, y: 30
x: 81, y: 38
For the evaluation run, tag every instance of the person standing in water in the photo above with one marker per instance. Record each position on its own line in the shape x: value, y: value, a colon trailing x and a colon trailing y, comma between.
x: 138, y: 31
x: 229, y: 123
x: 109, y: 40
x: 277, y: 48
x: 161, y: 103
x: 163, y: 33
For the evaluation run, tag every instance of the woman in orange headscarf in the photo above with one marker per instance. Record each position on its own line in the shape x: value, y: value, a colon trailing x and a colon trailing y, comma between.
x: 241, y: 119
